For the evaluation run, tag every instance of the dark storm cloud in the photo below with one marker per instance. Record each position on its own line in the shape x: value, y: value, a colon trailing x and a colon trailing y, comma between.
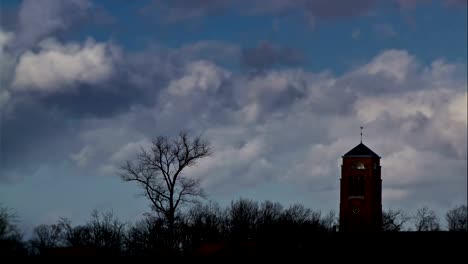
x: 32, y: 136
x: 138, y: 78
x: 38, y: 19
x: 55, y: 120
x: 283, y: 126
x: 110, y: 99
x: 267, y: 55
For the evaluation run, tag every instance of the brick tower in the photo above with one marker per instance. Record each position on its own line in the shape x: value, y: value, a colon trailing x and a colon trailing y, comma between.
x: 361, y: 191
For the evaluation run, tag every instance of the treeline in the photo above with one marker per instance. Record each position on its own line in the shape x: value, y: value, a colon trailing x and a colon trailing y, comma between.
x: 204, y: 229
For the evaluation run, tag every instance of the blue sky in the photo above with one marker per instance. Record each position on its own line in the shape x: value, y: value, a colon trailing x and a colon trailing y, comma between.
x: 280, y: 88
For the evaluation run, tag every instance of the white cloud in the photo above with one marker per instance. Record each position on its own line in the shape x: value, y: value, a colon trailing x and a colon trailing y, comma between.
x: 394, y: 64
x: 273, y: 82
x: 199, y: 75
x: 457, y: 108
x: 125, y: 152
x: 6, y: 65
x: 250, y: 112
x: 290, y: 127
x: 83, y: 156
x: 128, y: 150
x: 440, y: 74
x: 437, y: 115
x: 244, y: 165
x: 409, y: 104
x: 5, y: 38
x: 57, y: 66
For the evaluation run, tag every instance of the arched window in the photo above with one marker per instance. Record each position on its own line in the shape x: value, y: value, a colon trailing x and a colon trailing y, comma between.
x: 356, y: 185
x: 358, y: 166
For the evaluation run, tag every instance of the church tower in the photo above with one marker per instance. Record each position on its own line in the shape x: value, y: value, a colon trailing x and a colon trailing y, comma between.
x: 361, y: 191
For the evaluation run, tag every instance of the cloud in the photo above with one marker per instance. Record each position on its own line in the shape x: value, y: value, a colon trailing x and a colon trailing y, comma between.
x: 283, y: 126
x: 267, y: 55
x: 425, y: 116
x: 5, y: 37
x: 58, y: 66
x: 39, y: 19
x: 6, y: 65
x: 200, y: 75
x: 392, y: 64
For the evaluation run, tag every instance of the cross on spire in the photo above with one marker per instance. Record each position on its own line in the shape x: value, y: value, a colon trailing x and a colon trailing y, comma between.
x: 361, y: 133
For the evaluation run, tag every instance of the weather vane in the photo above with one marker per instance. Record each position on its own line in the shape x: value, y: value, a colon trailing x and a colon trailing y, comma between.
x: 361, y: 133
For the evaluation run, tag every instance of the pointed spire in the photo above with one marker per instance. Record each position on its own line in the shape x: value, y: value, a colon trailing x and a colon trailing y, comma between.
x: 361, y: 133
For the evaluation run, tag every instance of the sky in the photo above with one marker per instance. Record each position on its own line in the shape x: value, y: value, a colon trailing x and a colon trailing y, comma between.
x: 279, y: 88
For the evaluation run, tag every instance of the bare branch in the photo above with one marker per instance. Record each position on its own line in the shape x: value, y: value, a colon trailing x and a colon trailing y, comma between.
x: 159, y: 173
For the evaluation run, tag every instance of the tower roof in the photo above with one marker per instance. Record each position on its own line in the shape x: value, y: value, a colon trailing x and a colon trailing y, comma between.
x: 361, y: 150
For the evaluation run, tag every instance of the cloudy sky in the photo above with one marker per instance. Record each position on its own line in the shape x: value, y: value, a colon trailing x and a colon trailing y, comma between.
x: 279, y: 87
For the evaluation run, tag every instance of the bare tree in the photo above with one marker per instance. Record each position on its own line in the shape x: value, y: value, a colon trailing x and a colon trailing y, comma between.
x: 46, y: 237
x: 269, y: 213
x: 158, y: 171
x: 148, y: 236
x: 298, y: 214
x: 394, y: 220
x: 204, y: 223
x: 11, y: 242
x: 426, y: 220
x: 457, y: 218
x: 8, y: 227
x: 330, y: 221
x: 106, y: 232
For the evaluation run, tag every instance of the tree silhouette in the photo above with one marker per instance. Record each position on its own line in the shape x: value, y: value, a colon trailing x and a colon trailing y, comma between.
x: 10, y: 236
x: 46, y: 237
x: 204, y: 223
x: 148, y: 236
x: 457, y: 218
x: 393, y: 220
x: 8, y: 228
x: 426, y: 220
x: 158, y: 171
x: 268, y: 218
x: 242, y: 219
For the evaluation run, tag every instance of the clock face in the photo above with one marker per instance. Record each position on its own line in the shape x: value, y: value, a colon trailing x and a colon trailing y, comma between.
x: 356, y: 210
